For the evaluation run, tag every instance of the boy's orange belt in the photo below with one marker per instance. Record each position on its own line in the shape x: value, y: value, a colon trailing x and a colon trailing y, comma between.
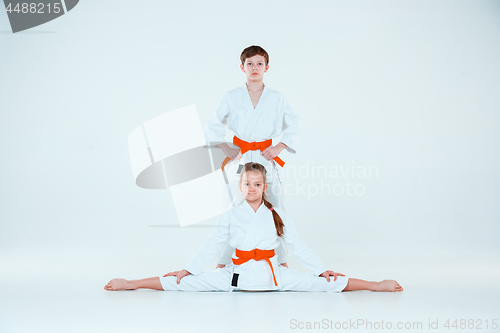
x: 255, y: 254
x: 246, y: 146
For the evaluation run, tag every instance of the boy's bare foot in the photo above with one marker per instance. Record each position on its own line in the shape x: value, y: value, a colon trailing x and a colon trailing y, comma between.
x: 118, y: 284
x: 387, y: 285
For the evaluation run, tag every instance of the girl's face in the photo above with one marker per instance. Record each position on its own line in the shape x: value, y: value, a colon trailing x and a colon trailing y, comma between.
x: 252, y: 186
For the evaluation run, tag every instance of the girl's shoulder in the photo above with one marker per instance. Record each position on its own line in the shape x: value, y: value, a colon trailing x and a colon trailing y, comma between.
x: 281, y: 213
x: 234, y: 211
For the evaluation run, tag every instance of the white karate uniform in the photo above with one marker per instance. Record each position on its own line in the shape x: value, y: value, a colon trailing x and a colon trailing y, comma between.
x: 271, y: 118
x: 254, y: 230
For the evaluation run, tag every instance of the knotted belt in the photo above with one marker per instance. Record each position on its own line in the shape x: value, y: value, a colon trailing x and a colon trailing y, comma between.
x: 255, y: 254
x: 246, y: 146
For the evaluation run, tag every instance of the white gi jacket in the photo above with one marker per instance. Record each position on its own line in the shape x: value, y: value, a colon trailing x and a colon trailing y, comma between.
x: 254, y: 230
x: 271, y: 117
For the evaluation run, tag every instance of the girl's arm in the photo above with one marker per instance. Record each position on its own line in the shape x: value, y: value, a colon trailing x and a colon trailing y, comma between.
x: 212, y: 247
x: 299, y: 249
x: 225, y: 257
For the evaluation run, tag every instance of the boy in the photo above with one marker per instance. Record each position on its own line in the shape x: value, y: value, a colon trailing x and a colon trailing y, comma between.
x: 255, y: 114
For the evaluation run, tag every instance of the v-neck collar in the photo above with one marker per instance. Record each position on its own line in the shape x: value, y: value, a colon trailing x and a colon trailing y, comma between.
x: 249, y: 209
x: 250, y: 97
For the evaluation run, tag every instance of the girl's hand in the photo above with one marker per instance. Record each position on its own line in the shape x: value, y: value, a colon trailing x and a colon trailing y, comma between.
x: 327, y: 275
x: 284, y: 264
x: 271, y: 152
x: 179, y: 274
x: 220, y: 266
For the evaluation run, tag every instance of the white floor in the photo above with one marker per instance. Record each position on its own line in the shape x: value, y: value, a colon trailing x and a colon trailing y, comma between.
x: 63, y: 292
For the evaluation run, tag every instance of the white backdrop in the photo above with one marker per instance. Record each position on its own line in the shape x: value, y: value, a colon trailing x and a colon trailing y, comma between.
x: 409, y: 88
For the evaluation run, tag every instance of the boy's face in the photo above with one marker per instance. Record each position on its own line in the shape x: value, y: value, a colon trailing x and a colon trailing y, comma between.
x: 255, y: 67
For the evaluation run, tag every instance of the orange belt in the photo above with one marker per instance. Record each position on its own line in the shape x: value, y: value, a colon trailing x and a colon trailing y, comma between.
x: 246, y: 146
x: 255, y: 254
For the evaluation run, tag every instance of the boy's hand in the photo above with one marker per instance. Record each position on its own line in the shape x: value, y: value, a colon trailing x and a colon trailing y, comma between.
x: 220, y: 266
x: 271, y: 152
x: 238, y: 155
x: 327, y: 275
x: 232, y: 153
x: 179, y: 274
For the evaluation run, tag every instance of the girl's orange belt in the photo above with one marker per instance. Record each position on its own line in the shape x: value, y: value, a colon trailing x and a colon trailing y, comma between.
x: 246, y: 146
x: 255, y: 254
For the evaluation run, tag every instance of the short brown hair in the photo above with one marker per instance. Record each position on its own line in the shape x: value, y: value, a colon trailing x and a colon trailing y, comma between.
x: 254, y: 50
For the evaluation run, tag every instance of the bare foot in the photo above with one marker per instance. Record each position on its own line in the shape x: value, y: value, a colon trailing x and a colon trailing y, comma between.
x: 118, y: 284
x: 388, y: 285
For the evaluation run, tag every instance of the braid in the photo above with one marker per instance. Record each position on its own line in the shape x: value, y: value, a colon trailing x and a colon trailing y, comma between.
x: 278, y: 222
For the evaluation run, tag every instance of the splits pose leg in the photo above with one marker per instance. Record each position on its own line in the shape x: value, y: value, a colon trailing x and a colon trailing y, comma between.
x: 220, y: 280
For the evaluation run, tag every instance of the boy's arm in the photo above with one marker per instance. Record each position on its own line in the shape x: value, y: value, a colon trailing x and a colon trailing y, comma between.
x: 215, y: 130
x: 232, y: 153
x: 272, y: 152
x: 291, y: 130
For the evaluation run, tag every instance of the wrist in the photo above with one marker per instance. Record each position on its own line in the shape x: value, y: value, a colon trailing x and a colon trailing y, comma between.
x: 281, y: 146
x: 223, y: 146
x: 226, y: 149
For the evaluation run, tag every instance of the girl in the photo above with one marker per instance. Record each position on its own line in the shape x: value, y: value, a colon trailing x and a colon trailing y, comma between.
x: 255, y: 114
x: 255, y: 227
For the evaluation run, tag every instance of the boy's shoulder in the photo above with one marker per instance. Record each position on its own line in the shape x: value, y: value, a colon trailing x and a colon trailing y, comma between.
x: 242, y: 91
x: 236, y: 91
x: 274, y: 92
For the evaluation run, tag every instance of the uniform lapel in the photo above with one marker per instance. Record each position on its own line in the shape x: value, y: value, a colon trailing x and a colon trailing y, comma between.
x: 256, y: 113
x: 254, y: 230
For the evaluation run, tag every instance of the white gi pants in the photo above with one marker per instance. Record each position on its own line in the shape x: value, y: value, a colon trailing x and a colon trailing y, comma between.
x: 220, y: 280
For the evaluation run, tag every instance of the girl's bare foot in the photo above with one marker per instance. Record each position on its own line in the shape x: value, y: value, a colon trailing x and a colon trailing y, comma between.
x: 387, y: 285
x: 118, y: 284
